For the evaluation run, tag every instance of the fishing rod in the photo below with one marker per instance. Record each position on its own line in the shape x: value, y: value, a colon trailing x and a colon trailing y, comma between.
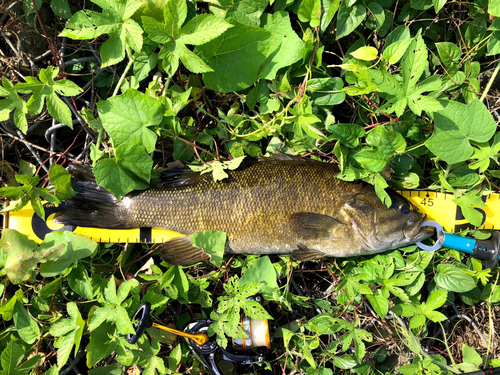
x: 206, y: 349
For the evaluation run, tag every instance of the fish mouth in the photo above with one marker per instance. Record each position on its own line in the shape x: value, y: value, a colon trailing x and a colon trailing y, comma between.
x: 423, y: 233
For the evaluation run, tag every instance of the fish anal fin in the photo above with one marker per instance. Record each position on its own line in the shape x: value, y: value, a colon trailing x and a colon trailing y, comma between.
x: 308, y: 225
x: 303, y: 253
x: 179, y: 251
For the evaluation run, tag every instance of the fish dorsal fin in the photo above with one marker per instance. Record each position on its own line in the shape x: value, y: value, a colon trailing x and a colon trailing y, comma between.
x: 303, y: 254
x: 179, y: 251
x: 281, y: 156
x: 308, y: 225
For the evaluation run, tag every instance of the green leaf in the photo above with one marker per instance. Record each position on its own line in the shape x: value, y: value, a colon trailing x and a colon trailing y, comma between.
x: 47, y: 88
x: 396, y: 50
x: 202, y: 29
x: 365, y: 53
x: 13, y: 103
x: 212, y: 242
x: 114, y: 21
x: 26, y: 327
x: 455, y: 126
x: 11, y: 357
x: 471, y: 356
x: 309, y: 11
x: 371, y: 159
x: 61, y: 8
x: 61, y: 179
x: 466, y: 203
x: 128, y: 118
x: 247, y: 12
x: 79, y: 281
x: 453, y: 279
x: 130, y: 170
x: 349, y: 18
x: 77, y: 247
x: 449, y: 53
x: 348, y: 134
x: 387, y: 142
x: 287, y: 46
x: 263, y: 272
x: 379, y: 303
x: 235, y: 57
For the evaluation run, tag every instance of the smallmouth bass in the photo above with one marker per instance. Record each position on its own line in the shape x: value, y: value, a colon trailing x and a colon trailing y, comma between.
x: 279, y: 205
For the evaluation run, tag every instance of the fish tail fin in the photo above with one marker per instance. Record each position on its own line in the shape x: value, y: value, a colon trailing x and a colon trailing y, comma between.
x: 93, y: 206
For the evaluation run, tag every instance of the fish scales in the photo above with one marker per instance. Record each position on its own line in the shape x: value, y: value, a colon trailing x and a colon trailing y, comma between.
x: 253, y: 206
x: 274, y: 206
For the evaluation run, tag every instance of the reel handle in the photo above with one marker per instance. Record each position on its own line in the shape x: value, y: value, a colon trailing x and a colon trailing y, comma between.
x: 141, y: 319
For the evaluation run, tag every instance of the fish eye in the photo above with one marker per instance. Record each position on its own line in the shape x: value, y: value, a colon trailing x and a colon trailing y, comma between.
x: 404, y: 208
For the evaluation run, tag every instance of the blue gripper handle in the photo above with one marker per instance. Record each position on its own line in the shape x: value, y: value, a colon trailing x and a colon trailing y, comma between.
x: 459, y: 243
x: 488, y: 251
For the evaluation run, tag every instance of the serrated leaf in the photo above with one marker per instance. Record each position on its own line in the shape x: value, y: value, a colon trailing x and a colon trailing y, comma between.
x: 453, y: 279
x: 202, y: 29
x: 129, y: 117
x: 348, y: 134
x: 396, y: 50
x: 371, y: 159
x: 130, y: 170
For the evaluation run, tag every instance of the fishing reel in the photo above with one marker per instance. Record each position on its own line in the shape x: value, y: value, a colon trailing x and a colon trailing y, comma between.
x: 206, y: 349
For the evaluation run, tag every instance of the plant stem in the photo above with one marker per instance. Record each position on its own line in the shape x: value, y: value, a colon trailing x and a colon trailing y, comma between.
x: 122, y: 78
x: 490, y: 82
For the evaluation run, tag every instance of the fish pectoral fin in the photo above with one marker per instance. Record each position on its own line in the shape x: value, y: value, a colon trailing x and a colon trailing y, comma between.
x: 303, y: 253
x: 179, y: 251
x: 308, y: 225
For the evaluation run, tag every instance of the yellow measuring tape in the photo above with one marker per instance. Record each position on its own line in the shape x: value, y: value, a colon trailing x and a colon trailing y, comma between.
x: 438, y: 207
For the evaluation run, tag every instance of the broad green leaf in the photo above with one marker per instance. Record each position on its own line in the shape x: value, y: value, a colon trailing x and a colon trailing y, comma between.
x: 349, y: 18
x: 202, y: 29
x: 387, y: 142
x: 261, y: 271
x: 114, y: 369
x: 26, y: 327
x: 309, y: 11
x: 396, y: 50
x: 247, y: 12
x: 493, y: 46
x: 61, y: 179
x: 329, y: 8
x: 77, y: 247
x: 79, y: 281
x: 435, y: 300
x: 13, y: 103
x: 471, y: 356
x: 130, y: 170
x: 379, y: 303
x: 285, y: 45
x: 212, y: 242
x: 466, y: 203
x: 449, y: 53
x: 61, y: 8
x: 494, y: 8
x: 455, y: 126
x: 365, y: 53
x: 348, y: 134
x: 123, y: 323
x: 453, y: 279
x: 371, y: 159
x: 24, y: 254
x: 129, y: 117
x: 235, y: 57
x: 11, y: 357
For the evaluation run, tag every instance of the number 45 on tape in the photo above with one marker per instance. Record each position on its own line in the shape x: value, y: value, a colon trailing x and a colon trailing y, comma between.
x: 440, y: 207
